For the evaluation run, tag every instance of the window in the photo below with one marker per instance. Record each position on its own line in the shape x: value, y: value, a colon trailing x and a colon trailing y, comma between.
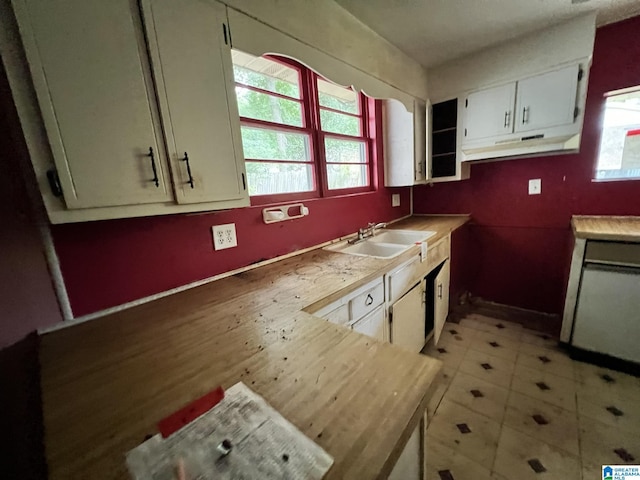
x: 302, y: 135
x: 619, y: 156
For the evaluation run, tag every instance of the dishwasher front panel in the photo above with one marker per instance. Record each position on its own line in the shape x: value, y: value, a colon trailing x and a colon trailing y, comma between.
x: 608, y: 313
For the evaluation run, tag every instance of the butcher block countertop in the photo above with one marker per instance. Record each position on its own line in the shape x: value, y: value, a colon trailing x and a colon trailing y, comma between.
x: 107, y: 382
x: 622, y: 229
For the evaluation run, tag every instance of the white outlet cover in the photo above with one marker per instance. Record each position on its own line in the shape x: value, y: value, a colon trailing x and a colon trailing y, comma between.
x: 395, y: 200
x: 224, y: 236
x: 535, y: 186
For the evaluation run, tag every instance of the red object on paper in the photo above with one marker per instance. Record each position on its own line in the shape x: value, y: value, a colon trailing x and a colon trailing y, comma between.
x: 633, y: 132
x: 185, y: 415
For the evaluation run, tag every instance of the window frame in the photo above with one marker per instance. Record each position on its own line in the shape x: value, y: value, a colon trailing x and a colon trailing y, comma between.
x: 310, y: 105
x: 601, y: 128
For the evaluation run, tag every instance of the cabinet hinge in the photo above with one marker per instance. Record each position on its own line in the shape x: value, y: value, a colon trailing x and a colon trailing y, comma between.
x: 580, y: 74
x: 224, y: 30
x: 54, y: 182
x: 576, y: 112
x: 244, y: 183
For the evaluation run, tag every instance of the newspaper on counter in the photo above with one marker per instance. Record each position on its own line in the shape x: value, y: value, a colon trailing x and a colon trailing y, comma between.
x: 264, y: 445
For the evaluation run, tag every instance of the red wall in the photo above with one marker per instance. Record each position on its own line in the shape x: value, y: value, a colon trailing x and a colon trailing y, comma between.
x: 108, y: 263
x: 522, y: 244
x: 27, y: 298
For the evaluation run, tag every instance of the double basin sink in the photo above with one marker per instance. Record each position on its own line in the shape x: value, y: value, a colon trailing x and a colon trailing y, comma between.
x: 387, y: 244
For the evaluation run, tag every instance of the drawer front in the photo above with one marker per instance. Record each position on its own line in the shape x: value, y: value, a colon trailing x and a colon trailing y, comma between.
x: 402, y: 278
x: 436, y: 254
x: 373, y: 325
x: 614, y: 253
x: 367, y: 301
x: 339, y: 315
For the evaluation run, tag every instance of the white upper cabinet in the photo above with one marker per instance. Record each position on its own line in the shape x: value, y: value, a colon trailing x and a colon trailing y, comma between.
x: 87, y: 59
x: 405, y: 143
x: 191, y: 60
x: 547, y: 100
x: 489, y: 113
x: 541, y: 113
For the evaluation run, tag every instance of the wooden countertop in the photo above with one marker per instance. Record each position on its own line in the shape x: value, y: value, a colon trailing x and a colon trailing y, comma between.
x: 623, y: 229
x: 107, y: 382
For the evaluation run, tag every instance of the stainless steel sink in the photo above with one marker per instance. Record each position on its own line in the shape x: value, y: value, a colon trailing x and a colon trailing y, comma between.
x: 388, y: 244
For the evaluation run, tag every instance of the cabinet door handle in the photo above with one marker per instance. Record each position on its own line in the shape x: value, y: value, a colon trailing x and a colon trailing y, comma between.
x: 153, y: 166
x: 507, y: 118
x: 186, y: 160
x: 525, y: 115
x: 439, y: 290
x: 369, y: 300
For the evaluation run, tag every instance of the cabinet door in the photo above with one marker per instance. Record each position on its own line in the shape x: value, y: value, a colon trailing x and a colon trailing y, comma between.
x: 410, y: 463
x: 373, y: 325
x: 547, y: 100
x: 420, y: 142
x: 89, y: 67
x: 192, y: 67
x: 408, y: 319
x: 441, y: 300
x: 399, y: 144
x: 489, y: 113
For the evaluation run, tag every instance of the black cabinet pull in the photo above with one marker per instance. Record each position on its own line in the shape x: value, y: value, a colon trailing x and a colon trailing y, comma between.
x: 369, y: 300
x: 153, y: 165
x: 54, y: 182
x: 525, y: 115
x: 186, y: 160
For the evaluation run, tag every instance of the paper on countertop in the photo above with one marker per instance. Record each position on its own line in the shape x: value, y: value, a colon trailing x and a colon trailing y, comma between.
x: 265, y: 445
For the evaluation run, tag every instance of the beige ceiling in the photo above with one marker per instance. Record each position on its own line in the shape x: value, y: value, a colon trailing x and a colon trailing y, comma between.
x: 434, y: 31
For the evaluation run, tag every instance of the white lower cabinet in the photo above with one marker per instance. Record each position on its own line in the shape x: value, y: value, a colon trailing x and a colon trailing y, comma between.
x: 441, y: 300
x: 373, y: 324
x: 408, y: 316
x: 412, y: 463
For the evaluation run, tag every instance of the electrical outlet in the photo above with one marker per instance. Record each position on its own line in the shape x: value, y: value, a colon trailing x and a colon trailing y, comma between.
x: 535, y: 186
x: 224, y: 236
x: 395, y: 200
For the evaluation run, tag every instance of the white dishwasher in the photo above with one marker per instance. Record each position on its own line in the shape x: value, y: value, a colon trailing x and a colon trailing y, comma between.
x: 607, y: 316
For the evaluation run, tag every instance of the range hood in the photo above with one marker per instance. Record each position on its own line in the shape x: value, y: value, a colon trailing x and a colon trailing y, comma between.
x: 527, y: 145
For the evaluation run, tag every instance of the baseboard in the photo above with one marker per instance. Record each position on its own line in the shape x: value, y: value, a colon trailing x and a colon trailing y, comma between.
x: 543, y: 322
x: 603, y: 360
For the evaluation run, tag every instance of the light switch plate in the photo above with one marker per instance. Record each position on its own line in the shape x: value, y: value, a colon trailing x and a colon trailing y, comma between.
x: 224, y: 236
x: 395, y: 200
x: 535, y: 186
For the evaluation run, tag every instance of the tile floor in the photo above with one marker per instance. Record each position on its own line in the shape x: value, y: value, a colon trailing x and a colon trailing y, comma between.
x: 511, y: 405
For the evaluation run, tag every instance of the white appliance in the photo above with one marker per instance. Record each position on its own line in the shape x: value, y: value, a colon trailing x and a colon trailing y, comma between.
x: 607, y: 316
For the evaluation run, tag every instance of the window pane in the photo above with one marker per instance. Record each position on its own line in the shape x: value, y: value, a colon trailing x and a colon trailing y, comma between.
x: 265, y: 74
x: 262, y: 106
x: 347, y: 176
x: 339, y: 123
x: 344, y: 151
x: 272, y: 178
x: 620, y: 143
x: 265, y: 144
x: 337, y: 97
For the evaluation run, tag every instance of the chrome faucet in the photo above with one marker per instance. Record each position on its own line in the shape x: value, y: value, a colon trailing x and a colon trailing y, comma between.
x: 364, y: 233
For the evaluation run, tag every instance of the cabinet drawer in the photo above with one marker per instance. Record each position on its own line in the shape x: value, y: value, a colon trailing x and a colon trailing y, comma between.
x: 403, y: 277
x: 339, y: 315
x: 373, y: 325
x: 367, y: 301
